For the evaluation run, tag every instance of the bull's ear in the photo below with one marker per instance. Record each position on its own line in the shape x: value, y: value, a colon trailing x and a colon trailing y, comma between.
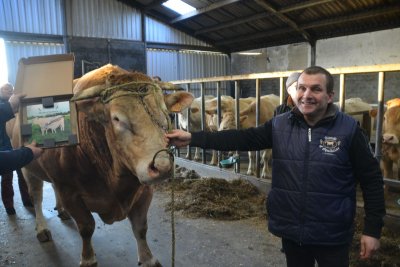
x: 373, y: 113
x: 88, y: 93
x: 242, y: 118
x: 178, y: 101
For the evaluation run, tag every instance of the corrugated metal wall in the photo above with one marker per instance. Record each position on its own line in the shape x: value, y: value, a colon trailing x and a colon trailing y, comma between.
x: 159, y: 32
x: 18, y: 50
x: 105, y: 19
x: 184, y: 65
x: 101, y: 19
x: 31, y: 16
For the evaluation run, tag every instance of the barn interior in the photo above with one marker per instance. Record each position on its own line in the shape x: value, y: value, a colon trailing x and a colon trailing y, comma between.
x: 239, y: 48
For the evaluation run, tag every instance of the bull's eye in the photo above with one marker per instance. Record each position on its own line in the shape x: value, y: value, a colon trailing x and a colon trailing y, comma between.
x: 115, y: 118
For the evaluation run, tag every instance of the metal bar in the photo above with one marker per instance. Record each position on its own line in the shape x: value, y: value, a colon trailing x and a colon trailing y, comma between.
x: 237, y: 116
x: 381, y: 97
x: 342, y: 93
x: 203, y: 118
x: 258, y: 101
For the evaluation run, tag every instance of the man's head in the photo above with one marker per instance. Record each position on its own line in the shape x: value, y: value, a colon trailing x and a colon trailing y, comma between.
x: 314, y: 93
x: 6, y: 90
x: 291, y: 84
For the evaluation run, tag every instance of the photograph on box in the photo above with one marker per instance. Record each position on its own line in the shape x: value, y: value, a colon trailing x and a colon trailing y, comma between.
x: 48, y: 124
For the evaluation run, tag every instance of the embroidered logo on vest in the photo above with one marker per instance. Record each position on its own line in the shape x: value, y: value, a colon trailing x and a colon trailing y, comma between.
x: 329, y: 144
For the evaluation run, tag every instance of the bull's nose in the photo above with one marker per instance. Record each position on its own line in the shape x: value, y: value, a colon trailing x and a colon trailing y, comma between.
x: 161, y: 165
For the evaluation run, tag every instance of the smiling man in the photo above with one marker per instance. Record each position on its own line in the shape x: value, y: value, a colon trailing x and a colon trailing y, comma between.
x: 319, y: 156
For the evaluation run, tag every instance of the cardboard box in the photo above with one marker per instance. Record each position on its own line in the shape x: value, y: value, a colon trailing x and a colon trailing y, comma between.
x: 46, y: 114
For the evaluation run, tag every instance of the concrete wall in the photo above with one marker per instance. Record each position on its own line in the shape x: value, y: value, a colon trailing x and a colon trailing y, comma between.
x: 381, y: 47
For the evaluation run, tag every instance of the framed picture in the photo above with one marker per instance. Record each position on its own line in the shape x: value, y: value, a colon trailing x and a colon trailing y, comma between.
x: 50, y: 121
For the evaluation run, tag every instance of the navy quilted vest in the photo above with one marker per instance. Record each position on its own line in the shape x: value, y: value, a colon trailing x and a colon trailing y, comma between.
x: 313, y: 197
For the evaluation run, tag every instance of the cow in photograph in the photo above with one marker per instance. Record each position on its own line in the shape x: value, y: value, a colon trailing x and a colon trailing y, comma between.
x: 390, y: 139
x: 247, y: 119
x: 122, y: 118
x: 51, y: 123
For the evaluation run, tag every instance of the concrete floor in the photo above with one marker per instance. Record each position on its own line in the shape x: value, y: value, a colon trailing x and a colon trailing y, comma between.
x: 199, y: 242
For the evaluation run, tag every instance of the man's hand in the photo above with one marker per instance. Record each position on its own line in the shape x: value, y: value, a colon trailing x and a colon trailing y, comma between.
x: 178, y: 138
x: 368, y: 246
x: 37, y: 151
x: 14, y: 101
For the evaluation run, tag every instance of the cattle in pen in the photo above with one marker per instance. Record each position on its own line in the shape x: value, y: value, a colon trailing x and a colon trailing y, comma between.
x: 122, y: 119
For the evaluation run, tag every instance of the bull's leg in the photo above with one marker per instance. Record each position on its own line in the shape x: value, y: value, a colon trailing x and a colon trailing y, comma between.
x: 214, y: 158
x: 387, y: 166
x: 252, y: 160
x: 62, y: 213
x: 85, y: 222
x: 138, y: 219
x: 197, y: 154
x: 266, y: 155
x: 35, y: 186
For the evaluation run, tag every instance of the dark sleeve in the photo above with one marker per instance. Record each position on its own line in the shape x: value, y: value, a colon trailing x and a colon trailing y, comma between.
x: 15, y: 159
x: 256, y: 138
x: 367, y: 172
x: 6, y: 112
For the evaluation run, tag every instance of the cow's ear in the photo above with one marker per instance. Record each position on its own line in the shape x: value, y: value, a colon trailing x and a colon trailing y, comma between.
x: 178, y: 101
x: 242, y: 118
x: 373, y: 113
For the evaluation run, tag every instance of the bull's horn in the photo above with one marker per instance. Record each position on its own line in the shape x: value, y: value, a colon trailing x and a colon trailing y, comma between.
x: 168, y: 86
x: 88, y: 93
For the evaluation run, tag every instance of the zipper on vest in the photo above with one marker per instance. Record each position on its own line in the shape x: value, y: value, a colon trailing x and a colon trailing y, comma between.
x: 309, y: 134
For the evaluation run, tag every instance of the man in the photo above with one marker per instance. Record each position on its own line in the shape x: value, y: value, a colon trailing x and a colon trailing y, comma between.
x: 319, y: 155
x: 9, y: 105
x: 291, y: 85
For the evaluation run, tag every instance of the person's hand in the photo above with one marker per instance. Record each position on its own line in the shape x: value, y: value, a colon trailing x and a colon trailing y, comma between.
x: 178, y: 138
x: 15, y: 100
x: 368, y: 246
x: 37, y: 151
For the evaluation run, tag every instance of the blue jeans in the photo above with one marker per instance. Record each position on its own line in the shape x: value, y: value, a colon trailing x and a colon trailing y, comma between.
x: 306, y: 255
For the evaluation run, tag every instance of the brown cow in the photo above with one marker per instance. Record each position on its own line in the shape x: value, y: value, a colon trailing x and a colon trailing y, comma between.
x: 390, y: 138
x: 120, y: 154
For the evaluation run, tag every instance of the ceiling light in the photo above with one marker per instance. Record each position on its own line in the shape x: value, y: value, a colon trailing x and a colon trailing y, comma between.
x: 179, y: 6
x: 250, y: 53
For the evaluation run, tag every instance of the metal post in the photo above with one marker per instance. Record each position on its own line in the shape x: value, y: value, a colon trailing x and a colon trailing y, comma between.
x: 378, y: 145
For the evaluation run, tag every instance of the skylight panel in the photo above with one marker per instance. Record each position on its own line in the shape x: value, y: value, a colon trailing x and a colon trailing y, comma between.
x: 179, y: 6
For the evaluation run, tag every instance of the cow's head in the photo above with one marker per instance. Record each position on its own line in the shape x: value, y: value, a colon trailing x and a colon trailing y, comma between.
x: 134, y: 114
x: 391, y: 126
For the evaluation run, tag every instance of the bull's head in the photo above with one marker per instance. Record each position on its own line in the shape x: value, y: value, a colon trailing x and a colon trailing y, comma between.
x: 391, y: 126
x: 134, y: 115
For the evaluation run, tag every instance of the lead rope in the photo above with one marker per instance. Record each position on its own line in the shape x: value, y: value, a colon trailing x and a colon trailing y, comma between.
x: 170, y: 151
x: 173, y: 209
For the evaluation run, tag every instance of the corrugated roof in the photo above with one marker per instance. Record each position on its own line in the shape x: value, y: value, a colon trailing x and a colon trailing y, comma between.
x: 238, y: 25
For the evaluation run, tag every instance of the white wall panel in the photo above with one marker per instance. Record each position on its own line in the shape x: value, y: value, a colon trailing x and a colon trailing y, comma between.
x: 105, y: 19
x: 17, y: 50
x: 31, y: 16
x: 159, y: 32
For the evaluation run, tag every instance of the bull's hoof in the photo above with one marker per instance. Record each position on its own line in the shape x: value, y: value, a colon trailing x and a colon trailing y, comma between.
x: 151, y: 263
x: 93, y: 264
x: 44, y: 236
x: 63, y: 215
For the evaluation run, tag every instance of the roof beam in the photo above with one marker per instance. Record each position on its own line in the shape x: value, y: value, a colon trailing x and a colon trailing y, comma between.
x: 352, y: 17
x: 285, y: 19
x: 261, y: 15
x: 203, y: 10
x: 315, y: 24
